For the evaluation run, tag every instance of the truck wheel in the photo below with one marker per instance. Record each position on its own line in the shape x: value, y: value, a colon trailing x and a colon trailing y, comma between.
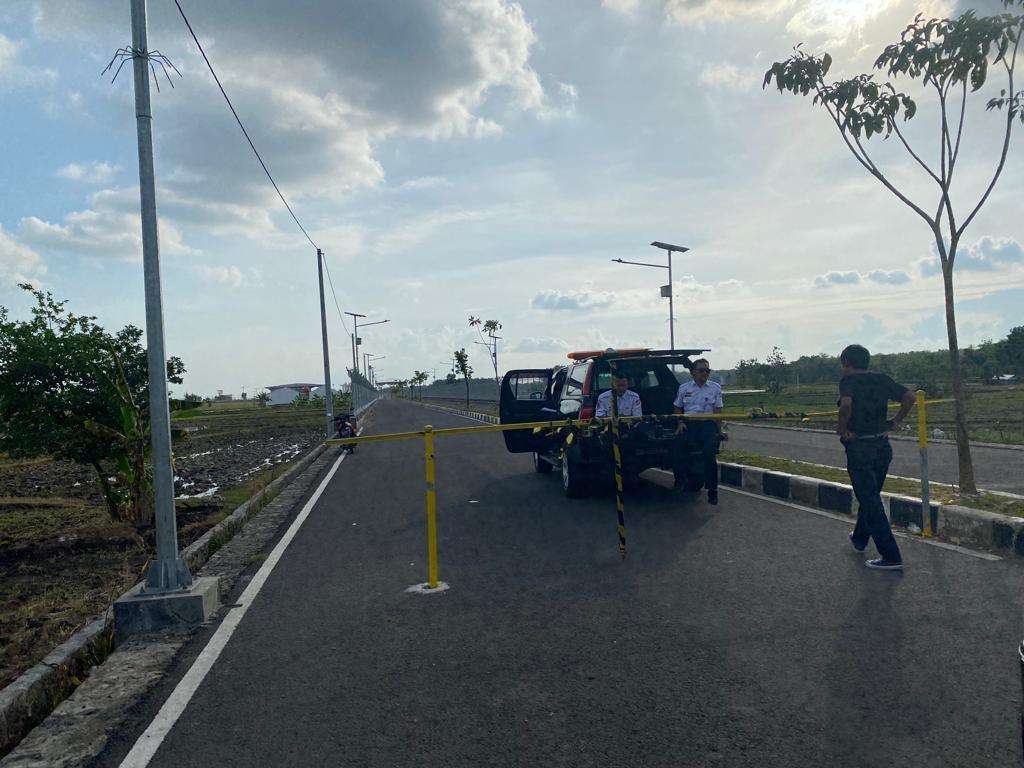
x: 574, y: 479
x: 540, y: 465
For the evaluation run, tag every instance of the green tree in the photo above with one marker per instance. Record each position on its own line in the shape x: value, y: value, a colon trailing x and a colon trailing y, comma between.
x: 775, y: 365
x: 950, y: 59
x: 72, y: 391
x: 488, y: 330
x: 462, y: 366
x: 749, y: 372
x: 419, y: 378
x: 1010, y: 354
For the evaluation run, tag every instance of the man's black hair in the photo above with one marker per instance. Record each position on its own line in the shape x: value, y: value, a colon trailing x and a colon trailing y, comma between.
x: 856, y: 356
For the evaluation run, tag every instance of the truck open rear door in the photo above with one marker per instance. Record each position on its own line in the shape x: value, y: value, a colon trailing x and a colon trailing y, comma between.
x: 524, y: 394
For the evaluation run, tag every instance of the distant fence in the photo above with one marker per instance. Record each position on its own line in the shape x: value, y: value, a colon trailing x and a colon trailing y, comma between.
x: 362, y: 397
x: 479, y: 389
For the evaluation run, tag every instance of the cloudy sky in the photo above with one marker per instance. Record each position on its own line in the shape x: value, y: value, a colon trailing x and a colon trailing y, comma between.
x: 486, y: 157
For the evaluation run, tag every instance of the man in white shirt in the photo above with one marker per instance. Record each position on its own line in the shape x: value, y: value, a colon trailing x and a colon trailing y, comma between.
x: 626, y: 400
x: 696, y: 397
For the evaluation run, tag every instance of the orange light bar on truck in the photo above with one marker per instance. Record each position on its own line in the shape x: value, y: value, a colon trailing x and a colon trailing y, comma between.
x: 595, y: 353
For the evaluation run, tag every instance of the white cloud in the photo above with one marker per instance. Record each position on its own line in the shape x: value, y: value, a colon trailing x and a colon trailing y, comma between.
x: 833, y: 22
x: 18, y: 262
x: 731, y: 77
x: 826, y: 22
x: 845, y: 277
x: 531, y: 344
x: 95, y: 172
x: 987, y: 254
x: 227, y: 275
x: 571, y: 94
x: 573, y: 301
x: 8, y: 54
x: 887, y: 276
x: 109, y: 229
x: 852, y: 277
x: 696, y: 11
x: 625, y: 7
x: 15, y: 74
x: 320, y: 115
x: 425, y: 182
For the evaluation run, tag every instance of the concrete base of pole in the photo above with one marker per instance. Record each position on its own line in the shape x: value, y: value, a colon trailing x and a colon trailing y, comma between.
x: 167, y: 575
x: 139, y: 612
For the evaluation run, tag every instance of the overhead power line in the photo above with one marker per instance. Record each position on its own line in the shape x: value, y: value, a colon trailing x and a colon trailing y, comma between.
x: 337, y: 306
x: 240, y: 125
x: 266, y: 170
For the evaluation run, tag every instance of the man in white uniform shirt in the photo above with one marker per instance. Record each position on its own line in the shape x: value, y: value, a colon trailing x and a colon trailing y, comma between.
x: 626, y: 400
x: 696, y: 397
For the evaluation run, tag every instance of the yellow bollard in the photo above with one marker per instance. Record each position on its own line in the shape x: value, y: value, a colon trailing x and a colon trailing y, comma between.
x: 428, y: 455
x: 922, y: 444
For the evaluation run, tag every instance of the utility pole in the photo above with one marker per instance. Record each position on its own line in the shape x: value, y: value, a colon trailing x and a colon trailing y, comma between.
x: 355, y: 339
x: 497, y: 379
x: 329, y: 394
x: 168, y: 571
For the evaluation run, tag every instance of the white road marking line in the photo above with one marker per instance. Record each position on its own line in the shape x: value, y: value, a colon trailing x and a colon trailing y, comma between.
x: 149, y: 742
x: 848, y: 521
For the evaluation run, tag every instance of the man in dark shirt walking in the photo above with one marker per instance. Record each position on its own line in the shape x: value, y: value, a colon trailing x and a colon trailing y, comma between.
x: 864, y: 429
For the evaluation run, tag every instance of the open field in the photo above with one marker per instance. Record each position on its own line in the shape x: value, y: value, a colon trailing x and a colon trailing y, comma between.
x: 995, y: 414
x: 62, y: 560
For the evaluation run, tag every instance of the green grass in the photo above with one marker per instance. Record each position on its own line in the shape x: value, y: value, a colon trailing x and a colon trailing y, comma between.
x: 62, y: 561
x: 994, y: 414
x: 237, y: 495
x: 941, y: 494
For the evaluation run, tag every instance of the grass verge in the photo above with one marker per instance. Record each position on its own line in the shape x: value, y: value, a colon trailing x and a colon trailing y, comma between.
x: 62, y: 562
x: 941, y: 494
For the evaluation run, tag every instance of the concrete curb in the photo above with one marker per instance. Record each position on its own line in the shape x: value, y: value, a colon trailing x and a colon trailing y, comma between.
x: 460, y: 412
x: 29, y: 699
x: 942, y: 441
x: 977, y: 528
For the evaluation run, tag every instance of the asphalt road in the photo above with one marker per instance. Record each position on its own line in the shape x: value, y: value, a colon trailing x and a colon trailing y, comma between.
x: 744, y: 635
x: 996, y: 469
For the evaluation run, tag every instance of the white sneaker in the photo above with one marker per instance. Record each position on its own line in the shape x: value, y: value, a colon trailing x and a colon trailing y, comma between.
x: 881, y: 564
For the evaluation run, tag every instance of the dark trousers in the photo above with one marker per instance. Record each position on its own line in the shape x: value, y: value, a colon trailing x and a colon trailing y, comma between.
x: 702, y: 436
x: 868, y: 461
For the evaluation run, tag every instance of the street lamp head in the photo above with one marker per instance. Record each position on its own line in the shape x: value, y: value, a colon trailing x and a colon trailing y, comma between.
x: 670, y: 247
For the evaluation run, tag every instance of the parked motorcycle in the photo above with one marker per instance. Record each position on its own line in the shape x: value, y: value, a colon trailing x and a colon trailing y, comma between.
x: 345, y: 426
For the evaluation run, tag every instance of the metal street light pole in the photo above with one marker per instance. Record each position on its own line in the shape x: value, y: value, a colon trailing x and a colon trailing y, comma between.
x: 359, y: 341
x: 329, y: 393
x: 671, y: 289
x: 666, y: 291
x: 355, y: 339
x: 168, y: 572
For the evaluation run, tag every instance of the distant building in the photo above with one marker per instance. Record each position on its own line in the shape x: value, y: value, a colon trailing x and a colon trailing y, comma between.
x: 1006, y: 378
x: 285, y: 394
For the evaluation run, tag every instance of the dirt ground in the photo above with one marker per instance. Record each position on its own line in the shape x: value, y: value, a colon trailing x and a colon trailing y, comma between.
x: 62, y: 560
